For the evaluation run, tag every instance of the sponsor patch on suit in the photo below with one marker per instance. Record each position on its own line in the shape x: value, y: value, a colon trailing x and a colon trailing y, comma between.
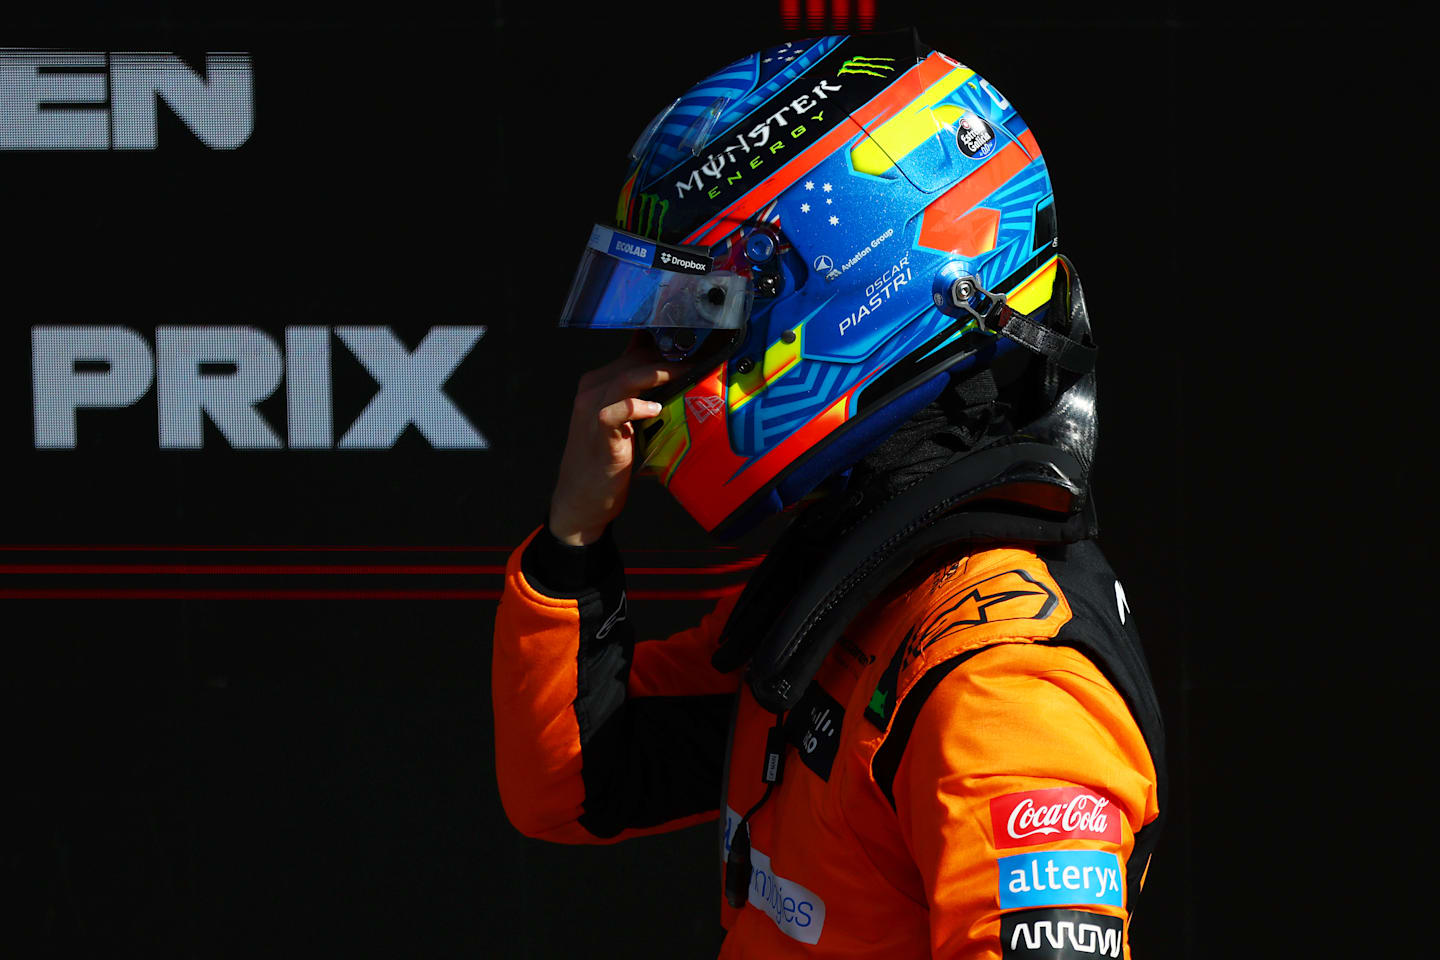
x: 1060, y: 935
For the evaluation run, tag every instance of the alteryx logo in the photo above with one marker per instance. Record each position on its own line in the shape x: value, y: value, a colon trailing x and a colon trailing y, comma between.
x: 1060, y: 877
x: 69, y: 100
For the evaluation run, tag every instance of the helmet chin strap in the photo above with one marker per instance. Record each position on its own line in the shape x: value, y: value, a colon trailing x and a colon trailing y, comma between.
x: 995, y: 315
x: 1072, y: 355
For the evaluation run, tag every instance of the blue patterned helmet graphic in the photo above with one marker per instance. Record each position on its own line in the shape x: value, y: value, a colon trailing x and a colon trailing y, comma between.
x: 720, y: 99
x: 849, y: 181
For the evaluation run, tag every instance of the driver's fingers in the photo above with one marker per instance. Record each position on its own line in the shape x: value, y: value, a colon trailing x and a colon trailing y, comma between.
x: 636, y: 380
x: 623, y: 411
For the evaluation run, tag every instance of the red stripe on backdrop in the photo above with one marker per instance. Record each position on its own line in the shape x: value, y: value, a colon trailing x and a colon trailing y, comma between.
x: 163, y: 593
x: 237, y: 548
x: 212, y: 569
x: 284, y: 569
x: 297, y: 548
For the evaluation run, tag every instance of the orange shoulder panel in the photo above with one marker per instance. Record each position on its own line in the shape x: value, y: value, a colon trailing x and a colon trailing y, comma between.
x: 1004, y: 594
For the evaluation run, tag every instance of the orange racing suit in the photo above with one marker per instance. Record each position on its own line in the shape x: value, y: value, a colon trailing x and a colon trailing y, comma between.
x: 960, y: 780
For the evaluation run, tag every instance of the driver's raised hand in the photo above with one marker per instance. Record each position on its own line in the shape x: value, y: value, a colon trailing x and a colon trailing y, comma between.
x: 600, y: 450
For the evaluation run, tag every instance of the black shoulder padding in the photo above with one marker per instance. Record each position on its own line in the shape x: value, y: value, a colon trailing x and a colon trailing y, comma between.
x: 828, y: 583
x: 1104, y: 630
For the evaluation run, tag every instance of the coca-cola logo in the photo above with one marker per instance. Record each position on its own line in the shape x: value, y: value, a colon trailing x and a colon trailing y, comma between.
x: 1062, y: 813
x: 1081, y: 814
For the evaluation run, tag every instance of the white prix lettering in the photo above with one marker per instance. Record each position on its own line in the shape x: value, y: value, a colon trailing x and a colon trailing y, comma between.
x: 186, y: 395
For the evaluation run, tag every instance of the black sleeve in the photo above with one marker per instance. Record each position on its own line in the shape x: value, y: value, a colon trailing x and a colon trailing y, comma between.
x: 647, y: 760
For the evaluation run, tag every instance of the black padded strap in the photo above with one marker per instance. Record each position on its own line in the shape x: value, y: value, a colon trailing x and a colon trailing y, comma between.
x: 1068, y: 354
x: 786, y: 647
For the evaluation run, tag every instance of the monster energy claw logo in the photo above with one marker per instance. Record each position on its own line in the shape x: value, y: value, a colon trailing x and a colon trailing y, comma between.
x: 866, y: 65
x: 645, y: 218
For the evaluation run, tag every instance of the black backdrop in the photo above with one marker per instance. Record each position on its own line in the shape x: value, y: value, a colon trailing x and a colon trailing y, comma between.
x: 246, y: 691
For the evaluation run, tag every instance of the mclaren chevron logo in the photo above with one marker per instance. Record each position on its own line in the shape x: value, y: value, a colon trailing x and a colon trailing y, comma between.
x: 870, y: 66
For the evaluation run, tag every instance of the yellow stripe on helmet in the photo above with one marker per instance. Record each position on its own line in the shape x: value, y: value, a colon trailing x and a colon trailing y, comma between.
x: 780, y: 358
x: 902, y: 133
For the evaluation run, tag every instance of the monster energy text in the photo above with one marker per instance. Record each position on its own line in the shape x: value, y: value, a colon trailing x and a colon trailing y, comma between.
x: 758, y: 140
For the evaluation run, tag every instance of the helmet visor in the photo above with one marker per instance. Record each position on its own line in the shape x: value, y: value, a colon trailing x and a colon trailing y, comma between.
x: 627, y: 282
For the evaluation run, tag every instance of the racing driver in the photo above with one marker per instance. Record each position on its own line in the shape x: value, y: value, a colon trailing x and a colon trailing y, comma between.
x: 926, y: 726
